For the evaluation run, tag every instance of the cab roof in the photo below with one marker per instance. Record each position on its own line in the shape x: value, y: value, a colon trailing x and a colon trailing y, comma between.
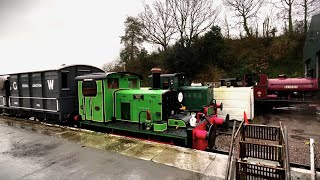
x: 169, y: 75
x: 105, y: 75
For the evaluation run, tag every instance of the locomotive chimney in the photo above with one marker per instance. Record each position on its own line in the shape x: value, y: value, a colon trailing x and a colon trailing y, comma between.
x: 156, y: 78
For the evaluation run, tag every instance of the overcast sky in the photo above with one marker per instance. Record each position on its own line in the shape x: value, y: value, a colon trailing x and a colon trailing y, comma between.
x: 40, y: 34
x: 37, y: 34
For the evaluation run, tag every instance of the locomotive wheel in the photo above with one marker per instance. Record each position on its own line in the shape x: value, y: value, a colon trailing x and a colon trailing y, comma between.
x: 212, y: 136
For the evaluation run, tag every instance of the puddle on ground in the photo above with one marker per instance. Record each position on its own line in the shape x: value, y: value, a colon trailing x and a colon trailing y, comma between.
x: 185, y: 159
x: 299, y: 138
x: 145, y: 151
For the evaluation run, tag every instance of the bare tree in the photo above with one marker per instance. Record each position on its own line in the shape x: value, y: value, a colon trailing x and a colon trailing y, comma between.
x: 226, y: 24
x: 113, y: 66
x: 308, y: 7
x: 192, y: 17
x: 256, y: 31
x: 245, y: 9
x: 286, y: 7
x: 268, y: 26
x: 158, y: 23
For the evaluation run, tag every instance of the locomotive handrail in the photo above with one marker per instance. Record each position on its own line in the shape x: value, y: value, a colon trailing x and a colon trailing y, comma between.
x: 140, y: 118
x: 238, y: 130
x: 114, y: 100
x: 284, y: 135
x: 231, y: 150
x: 235, y: 135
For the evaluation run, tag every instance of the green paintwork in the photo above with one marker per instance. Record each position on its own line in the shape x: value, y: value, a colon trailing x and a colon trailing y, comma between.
x: 91, y: 108
x: 210, y: 111
x: 195, y: 97
x: 97, y: 104
x: 100, y: 107
x: 139, y: 101
x: 160, y: 126
x: 111, y: 126
x: 120, y: 98
x: 117, y: 97
x: 176, y: 123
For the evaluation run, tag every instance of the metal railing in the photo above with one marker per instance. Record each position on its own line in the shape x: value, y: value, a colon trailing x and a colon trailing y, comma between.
x: 263, y: 132
x: 268, y: 143
x: 258, y: 171
x: 261, y: 151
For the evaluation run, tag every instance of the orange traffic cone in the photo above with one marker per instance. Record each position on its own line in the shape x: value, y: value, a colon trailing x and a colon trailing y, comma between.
x: 245, y: 118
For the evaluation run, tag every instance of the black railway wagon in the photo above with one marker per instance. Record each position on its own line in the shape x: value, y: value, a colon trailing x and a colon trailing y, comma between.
x: 46, y: 94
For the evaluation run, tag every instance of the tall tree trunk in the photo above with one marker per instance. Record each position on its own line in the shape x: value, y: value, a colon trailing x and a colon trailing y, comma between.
x: 132, y: 49
x: 245, y: 26
x: 290, y: 17
x: 305, y: 16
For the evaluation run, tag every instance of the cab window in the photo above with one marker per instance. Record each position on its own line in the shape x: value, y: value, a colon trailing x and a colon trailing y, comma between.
x: 165, y: 83
x: 89, y: 88
x: 64, y: 79
x: 132, y: 83
x: 113, y: 83
x: 181, y: 81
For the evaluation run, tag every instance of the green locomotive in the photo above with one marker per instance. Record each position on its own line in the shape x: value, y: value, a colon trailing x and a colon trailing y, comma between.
x: 195, y: 97
x: 115, y: 101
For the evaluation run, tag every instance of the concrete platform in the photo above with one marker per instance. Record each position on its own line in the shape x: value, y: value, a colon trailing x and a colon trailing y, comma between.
x: 31, y: 150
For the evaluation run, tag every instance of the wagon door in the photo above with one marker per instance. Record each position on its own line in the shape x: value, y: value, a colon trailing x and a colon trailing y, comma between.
x: 91, y: 103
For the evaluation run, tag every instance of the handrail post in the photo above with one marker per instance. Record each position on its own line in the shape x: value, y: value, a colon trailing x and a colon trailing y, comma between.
x: 312, y: 163
x: 140, y: 118
x: 287, y: 153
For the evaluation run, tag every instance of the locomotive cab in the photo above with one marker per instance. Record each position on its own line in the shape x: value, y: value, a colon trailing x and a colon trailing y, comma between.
x: 167, y: 81
x: 259, y: 83
x: 194, y: 97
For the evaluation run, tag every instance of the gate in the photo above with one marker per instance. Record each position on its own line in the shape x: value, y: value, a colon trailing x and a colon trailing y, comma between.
x: 258, y: 152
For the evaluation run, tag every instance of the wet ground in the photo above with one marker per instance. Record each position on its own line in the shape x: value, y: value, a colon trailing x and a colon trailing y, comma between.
x: 35, y: 150
x: 302, y: 125
x: 26, y: 153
